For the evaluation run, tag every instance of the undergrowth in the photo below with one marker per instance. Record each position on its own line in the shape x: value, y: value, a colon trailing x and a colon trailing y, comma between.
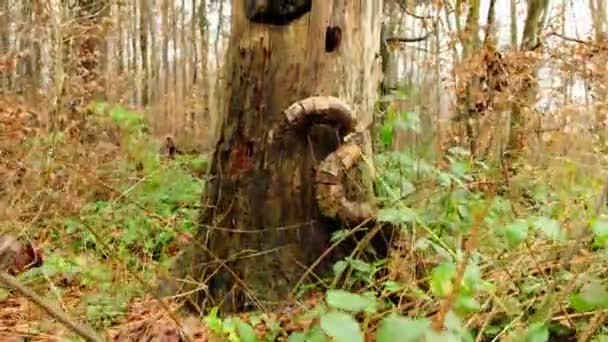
x: 112, y: 207
x: 481, y: 254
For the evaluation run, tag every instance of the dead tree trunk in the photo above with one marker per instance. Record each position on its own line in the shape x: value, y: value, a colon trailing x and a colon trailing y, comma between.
x: 276, y: 192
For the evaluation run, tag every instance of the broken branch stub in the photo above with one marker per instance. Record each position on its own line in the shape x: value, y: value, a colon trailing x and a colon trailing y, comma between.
x: 329, y: 190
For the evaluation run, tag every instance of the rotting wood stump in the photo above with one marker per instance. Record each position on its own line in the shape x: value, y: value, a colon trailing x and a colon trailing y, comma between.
x: 282, y: 177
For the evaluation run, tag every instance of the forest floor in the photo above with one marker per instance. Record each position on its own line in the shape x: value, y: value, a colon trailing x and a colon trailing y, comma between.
x: 109, y: 213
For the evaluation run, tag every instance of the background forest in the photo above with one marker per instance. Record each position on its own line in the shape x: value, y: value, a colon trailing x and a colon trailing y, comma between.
x: 489, y: 151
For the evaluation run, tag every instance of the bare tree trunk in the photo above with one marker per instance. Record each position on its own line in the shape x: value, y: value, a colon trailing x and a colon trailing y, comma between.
x: 144, y: 30
x: 598, y: 12
x: 121, y: 39
x: 389, y: 60
x: 527, y: 92
x: 185, y: 52
x: 467, y: 101
x: 176, y: 61
x: 513, y: 10
x: 136, y: 48
x: 217, y: 92
x: 164, y: 12
x: 206, y: 88
x: 154, y: 67
x: 28, y: 67
x: 5, y: 45
x: 263, y: 227
x: 80, y: 80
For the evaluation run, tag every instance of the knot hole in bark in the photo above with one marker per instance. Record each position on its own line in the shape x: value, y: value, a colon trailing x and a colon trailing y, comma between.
x: 333, y: 37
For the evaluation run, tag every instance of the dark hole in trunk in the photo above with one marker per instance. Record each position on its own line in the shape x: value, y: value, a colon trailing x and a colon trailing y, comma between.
x: 333, y: 36
x: 276, y: 12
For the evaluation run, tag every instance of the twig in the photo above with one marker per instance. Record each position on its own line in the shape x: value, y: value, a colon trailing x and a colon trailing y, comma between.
x: 364, y: 242
x: 237, y: 279
x: 325, y: 253
x: 566, y: 260
x: 84, y: 332
x: 484, y: 325
x: 470, y: 246
x: 139, y: 279
x: 409, y: 39
x: 599, y: 204
x: 596, y: 322
x: 546, y: 281
x: 576, y: 40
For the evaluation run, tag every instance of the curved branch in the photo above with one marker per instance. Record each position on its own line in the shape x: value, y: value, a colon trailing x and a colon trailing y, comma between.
x: 329, y: 191
x: 315, y: 110
x: 576, y: 40
x: 408, y: 39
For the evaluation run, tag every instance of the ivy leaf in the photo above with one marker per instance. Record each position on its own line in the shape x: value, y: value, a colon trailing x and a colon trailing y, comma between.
x: 467, y: 303
x: 213, y: 321
x: 444, y: 336
x: 441, y: 279
x: 316, y: 334
x: 339, y: 234
x: 396, y: 215
x: 444, y: 179
x: 407, y: 188
x: 361, y: 266
x: 459, y: 169
x: 386, y: 135
x: 297, y: 337
x: 516, y: 232
x: 398, y: 328
x: 245, y: 331
x: 550, y: 227
x: 340, y: 299
x: 341, y: 327
x: 600, y: 229
x: 538, y: 332
x: 422, y: 244
x: 472, y: 276
x: 339, y: 267
x: 592, y: 295
x: 389, y: 285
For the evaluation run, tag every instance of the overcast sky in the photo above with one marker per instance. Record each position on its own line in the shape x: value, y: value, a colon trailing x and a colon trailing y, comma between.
x: 578, y: 25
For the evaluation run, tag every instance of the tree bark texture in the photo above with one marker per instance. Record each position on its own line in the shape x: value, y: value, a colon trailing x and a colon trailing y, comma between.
x: 275, y: 194
x: 528, y: 89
